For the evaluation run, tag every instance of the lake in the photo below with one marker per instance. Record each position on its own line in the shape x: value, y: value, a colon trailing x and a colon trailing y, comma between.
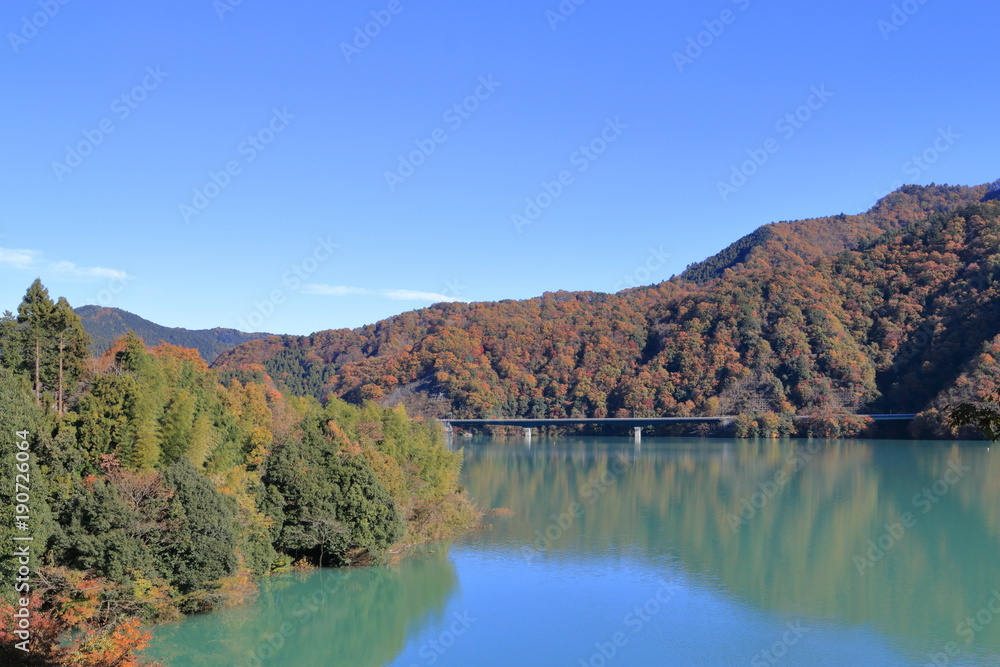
x: 675, y: 552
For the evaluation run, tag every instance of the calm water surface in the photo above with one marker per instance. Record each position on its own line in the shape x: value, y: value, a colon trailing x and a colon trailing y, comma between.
x: 681, y: 552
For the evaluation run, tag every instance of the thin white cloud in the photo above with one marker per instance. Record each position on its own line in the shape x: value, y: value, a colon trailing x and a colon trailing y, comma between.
x: 394, y: 294
x: 32, y: 260
x: 88, y: 272
x: 413, y: 295
x: 19, y: 259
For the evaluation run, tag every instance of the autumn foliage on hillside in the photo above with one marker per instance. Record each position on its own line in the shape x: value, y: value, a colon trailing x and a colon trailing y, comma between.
x: 875, y: 312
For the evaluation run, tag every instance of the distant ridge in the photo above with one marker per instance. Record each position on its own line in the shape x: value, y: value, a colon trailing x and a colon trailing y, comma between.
x: 104, y: 325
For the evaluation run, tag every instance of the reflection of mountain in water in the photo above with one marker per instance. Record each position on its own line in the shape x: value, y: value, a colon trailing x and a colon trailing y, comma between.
x: 794, y: 555
x: 353, y: 617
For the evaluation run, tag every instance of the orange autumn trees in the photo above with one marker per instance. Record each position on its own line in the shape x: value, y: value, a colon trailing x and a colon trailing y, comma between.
x: 105, y: 634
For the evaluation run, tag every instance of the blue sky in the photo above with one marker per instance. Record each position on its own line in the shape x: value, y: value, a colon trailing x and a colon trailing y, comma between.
x: 272, y: 167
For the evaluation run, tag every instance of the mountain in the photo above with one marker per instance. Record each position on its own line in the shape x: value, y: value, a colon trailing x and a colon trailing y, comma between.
x: 104, y: 325
x: 807, y: 240
x: 895, y: 309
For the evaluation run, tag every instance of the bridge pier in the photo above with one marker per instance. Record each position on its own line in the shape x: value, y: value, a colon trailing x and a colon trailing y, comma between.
x: 449, y: 434
x: 723, y: 420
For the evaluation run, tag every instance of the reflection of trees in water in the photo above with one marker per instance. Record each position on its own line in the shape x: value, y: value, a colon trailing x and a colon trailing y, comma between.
x: 796, y: 553
x: 358, y: 617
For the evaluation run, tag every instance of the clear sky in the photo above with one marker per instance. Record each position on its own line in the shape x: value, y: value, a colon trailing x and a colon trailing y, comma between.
x: 269, y: 166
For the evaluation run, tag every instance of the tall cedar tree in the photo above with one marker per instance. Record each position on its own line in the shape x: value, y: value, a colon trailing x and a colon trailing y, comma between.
x: 46, y: 342
x: 72, y: 344
x: 37, y: 313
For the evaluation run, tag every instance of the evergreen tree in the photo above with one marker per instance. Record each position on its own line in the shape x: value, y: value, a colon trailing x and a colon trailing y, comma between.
x: 116, y: 417
x: 38, y: 313
x: 11, y: 343
x: 203, y: 547
x: 132, y: 357
x: 326, y: 505
x: 72, y: 348
x: 46, y: 342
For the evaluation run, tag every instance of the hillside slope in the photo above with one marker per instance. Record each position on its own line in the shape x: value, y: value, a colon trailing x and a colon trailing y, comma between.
x: 808, y: 240
x: 104, y: 325
x: 880, y: 311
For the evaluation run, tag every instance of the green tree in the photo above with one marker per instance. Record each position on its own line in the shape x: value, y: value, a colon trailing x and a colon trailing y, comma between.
x: 97, y: 530
x: 72, y: 344
x: 326, y: 505
x: 177, y: 425
x: 984, y: 416
x: 46, y: 342
x: 202, y: 548
x: 11, y: 343
x: 37, y: 313
x: 115, y: 417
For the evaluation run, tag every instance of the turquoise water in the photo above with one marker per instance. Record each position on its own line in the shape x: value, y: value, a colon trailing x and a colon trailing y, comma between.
x: 681, y: 552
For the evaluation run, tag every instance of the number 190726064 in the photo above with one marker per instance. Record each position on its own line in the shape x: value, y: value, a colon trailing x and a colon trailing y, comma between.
x: 22, y: 481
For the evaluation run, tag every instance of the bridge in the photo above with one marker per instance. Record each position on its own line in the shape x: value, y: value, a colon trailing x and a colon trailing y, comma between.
x: 636, y: 423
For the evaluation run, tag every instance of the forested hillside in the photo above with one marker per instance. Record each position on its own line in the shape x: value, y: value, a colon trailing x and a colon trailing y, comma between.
x: 106, y: 325
x: 149, y: 488
x: 825, y: 317
x: 808, y: 240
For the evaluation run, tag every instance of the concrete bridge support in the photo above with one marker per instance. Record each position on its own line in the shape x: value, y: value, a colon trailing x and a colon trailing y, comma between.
x: 527, y: 434
x: 449, y: 434
x: 638, y: 434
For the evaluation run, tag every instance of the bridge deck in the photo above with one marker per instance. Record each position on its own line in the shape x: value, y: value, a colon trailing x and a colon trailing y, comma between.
x: 627, y: 421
